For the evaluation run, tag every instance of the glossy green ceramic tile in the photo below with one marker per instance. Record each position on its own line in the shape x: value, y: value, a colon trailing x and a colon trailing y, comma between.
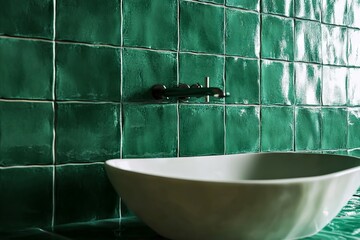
x: 83, y: 193
x: 201, y: 28
x: 277, y: 38
x: 281, y: 7
x: 353, y: 16
x: 354, y: 128
x: 27, y: 18
x: 242, y: 80
x: 94, y: 21
x: 242, y: 33
x: 193, y: 68
x: 277, y: 83
x: 334, y: 11
x: 308, y: 129
x: 307, y: 84
x: 28, y: 72
x: 246, y: 4
x: 201, y: 130
x: 353, y: 86
x: 149, y: 130
x: 242, y: 129
x: 353, y: 51
x: 150, y: 23
x: 26, y: 197
x: 307, y: 41
x: 87, y: 132
x: 334, y: 128
x: 277, y: 129
x: 156, y: 68
x: 26, y: 133
x: 334, y: 45
x: 87, y: 73
x: 354, y: 153
x: 334, y: 85
x: 308, y: 9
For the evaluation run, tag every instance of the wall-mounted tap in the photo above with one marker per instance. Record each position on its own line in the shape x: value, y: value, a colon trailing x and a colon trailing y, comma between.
x: 184, y: 91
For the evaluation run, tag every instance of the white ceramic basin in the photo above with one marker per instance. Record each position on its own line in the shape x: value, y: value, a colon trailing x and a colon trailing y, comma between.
x: 243, y: 196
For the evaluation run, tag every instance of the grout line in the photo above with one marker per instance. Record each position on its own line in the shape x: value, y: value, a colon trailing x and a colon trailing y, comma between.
x: 178, y: 78
x: 224, y: 81
x: 260, y: 82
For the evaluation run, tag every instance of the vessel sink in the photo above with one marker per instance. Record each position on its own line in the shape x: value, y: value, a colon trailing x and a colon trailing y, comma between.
x: 242, y: 196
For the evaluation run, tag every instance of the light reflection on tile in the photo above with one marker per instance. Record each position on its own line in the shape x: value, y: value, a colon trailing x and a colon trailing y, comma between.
x: 334, y: 85
x: 354, y: 87
x: 307, y: 84
x: 354, y: 47
x: 334, y: 45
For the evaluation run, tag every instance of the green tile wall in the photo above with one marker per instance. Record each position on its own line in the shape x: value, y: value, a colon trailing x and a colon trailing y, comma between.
x: 75, y: 79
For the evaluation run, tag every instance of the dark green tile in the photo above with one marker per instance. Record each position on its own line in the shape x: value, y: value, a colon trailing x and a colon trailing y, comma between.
x: 143, y: 69
x: 308, y: 9
x: 93, y: 21
x: 26, y: 198
x: 242, y: 129
x: 334, y: 45
x: 308, y: 129
x: 308, y: 84
x: 334, y: 85
x: 308, y: 41
x: 277, y: 38
x: 83, y: 193
x: 201, y: 28
x: 353, y: 87
x: 334, y: 12
x: 26, y: 133
x: 87, y: 132
x: 150, y: 23
x: 149, y: 130
x: 277, y: 80
x: 201, y: 130
x: 246, y: 4
x: 242, y: 80
x: 87, y: 73
x: 353, y: 51
x: 242, y: 33
x: 353, y: 16
x: 28, y: 72
x: 354, y: 153
x: 277, y: 129
x: 193, y: 68
x: 27, y: 18
x: 334, y: 128
x: 281, y: 7
x: 354, y: 128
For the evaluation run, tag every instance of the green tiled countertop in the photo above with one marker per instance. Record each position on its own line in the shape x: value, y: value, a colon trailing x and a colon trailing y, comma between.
x: 345, y: 226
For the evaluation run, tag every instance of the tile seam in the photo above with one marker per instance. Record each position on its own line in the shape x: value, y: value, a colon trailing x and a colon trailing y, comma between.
x: 178, y: 78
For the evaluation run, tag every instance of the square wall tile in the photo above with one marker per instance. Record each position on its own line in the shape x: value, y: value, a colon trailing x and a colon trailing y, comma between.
x: 277, y: 38
x: 84, y: 193
x: 26, y: 133
x: 242, y: 33
x: 353, y: 51
x: 26, y: 198
x: 334, y: 85
x: 242, y: 129
x: 193, y: 68
x: 87, y: 73
x: 354, y: 128
x: 308, y: 9
x: 307, y: 129
x: 27, y: 18
x: 353, y: 16
x: 150, y: 24
x: 201, y: 130
x: 87, y: 132
x: 334, y: 128
x: 277, y: 129
x: 308, y: 84
x: 242, y: 80
x: 201, y: 28
x: 277, y: 83
x: 354, y: 87
x: 308, y: 41
x: 143, y: 69
x: 280, y: 7
x: 246, y: 4
x: 28, y: 72
x: 334, y: 12
x: 149, y: 130
x: 334, y: 45
x: 95, y: 21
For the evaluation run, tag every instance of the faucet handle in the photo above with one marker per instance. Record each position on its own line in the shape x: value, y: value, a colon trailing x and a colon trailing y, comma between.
x: 207, y: 85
